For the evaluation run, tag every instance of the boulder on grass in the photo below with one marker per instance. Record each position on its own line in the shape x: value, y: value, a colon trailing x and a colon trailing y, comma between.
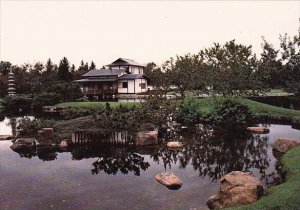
x: 283, y: 145
x: 23, y: 144
x: 174, y: 144
x: 169, y: 180
x: 258, y: 130
x: 237, y: 188
x: 145, y: 138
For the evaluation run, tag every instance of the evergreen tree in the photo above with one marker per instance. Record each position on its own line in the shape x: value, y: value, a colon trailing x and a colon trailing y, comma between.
x: 64, y: 70
x: 93, y: 66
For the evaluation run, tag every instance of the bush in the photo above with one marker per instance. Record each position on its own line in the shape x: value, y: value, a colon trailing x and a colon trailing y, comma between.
x: 29, y: 127
x: 45, y: 99
x: 19, y: 103
x: 230, y: 113
x: 190, y: 109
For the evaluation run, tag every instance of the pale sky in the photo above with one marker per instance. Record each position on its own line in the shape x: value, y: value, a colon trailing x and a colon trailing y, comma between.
x: 145, y: 31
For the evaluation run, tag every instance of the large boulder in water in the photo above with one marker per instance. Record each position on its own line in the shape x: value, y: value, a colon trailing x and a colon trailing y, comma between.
x: 283, y: 145
x: 237, y: 188
x: 23, y: 144
x: 169, y: 180
x: 45, y: 137
x: 145, y: 138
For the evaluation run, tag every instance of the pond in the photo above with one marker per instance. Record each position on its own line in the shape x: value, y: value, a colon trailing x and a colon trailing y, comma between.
x: 93, y: 176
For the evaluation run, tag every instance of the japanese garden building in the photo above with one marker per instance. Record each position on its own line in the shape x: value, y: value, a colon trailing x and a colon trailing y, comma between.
x: 123, y: 76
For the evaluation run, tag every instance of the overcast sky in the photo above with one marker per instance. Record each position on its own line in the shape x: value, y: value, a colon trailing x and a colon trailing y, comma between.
x: 145, y: 31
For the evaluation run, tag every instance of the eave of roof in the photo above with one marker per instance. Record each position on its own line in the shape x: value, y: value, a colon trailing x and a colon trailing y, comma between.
x: 96, y: 80
x: 133, y: 76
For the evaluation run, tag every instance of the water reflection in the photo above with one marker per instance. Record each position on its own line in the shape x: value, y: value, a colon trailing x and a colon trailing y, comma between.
x: 111, y: 159
x: 218, y: 153
x: 211, y: 154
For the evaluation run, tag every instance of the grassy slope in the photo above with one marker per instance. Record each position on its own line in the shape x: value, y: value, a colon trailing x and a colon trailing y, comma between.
x: 256, y: 107
x: 93, y: 104
x: 266, y: 109
x: 285, y: 195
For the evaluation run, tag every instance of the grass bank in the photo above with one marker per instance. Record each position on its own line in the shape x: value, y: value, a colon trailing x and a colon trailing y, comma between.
x: 285, y: 195
x: 93, y: 104
x: 257, y: 108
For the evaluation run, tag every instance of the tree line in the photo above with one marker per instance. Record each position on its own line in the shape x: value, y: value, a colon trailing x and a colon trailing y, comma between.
x: 232, y: 69
x: 226, y: 69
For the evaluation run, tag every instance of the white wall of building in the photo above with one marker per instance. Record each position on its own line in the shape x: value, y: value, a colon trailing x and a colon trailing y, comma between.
x: 139, y: 87
x: 136, y: 70
x: 130, y: 86
x: 134, y: 86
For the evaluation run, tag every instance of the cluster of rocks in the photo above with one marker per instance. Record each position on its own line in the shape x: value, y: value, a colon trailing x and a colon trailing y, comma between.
x: 45, y: 138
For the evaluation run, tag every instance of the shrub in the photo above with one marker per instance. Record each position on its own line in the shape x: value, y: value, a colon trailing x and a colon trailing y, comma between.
x: 230, y: 113
x: 45, y: 99
x: 19, y: 103
x: 29, y: 127
x: 190, y: 109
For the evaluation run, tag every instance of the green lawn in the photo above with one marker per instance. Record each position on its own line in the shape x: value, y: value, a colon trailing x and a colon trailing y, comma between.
x: 93, y: 104
x: 257, y: 108
x: 286, y: 195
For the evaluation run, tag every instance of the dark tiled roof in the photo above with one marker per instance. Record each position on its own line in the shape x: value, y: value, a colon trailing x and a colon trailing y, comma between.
x: 97, y: 80
x: 125, y: 62
x: 133, y: 76
x: 103, y: 72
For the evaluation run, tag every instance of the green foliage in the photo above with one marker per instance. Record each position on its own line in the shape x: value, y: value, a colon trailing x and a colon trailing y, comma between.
x: 45, y: 99
x: 158, y: 109
x: 190, y: 109
x: 75, y: 111
x: 17, y: 103
x: 230, y: 113
x: 29, y: 127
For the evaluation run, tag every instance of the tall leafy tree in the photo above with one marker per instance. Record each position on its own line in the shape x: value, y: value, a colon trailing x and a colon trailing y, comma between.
x: 186, y: 72
x: 231, y: 67
x: 290, y: 48
x: 269, y: 72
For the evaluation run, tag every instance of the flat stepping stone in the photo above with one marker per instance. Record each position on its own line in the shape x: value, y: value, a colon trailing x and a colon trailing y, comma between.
x: 169, y: 180
x: 258, y: 130
x: 174, y: 144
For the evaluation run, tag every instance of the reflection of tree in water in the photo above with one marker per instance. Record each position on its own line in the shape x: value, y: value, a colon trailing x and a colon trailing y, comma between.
x: 112, y: 159
x: 219, y: 153
x: 45, y: 154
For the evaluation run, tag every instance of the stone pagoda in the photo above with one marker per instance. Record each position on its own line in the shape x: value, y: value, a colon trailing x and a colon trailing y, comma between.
x: 11, y: 83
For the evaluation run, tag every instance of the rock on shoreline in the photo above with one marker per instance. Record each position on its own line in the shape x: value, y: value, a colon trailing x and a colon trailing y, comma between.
x: 237, y: 188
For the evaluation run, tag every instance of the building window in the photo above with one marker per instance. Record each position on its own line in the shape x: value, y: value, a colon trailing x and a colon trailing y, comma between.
x: 143, y: 85
x: 124, y: 84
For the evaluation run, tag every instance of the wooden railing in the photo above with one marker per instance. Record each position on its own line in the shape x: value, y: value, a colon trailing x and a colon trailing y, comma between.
x: 99, y: 92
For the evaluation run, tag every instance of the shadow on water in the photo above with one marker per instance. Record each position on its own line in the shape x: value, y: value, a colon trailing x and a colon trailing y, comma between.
x: 215, y: 154
x: 210, y: 153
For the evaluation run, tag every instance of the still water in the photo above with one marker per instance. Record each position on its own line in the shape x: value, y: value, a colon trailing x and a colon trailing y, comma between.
x: 109, y: 177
